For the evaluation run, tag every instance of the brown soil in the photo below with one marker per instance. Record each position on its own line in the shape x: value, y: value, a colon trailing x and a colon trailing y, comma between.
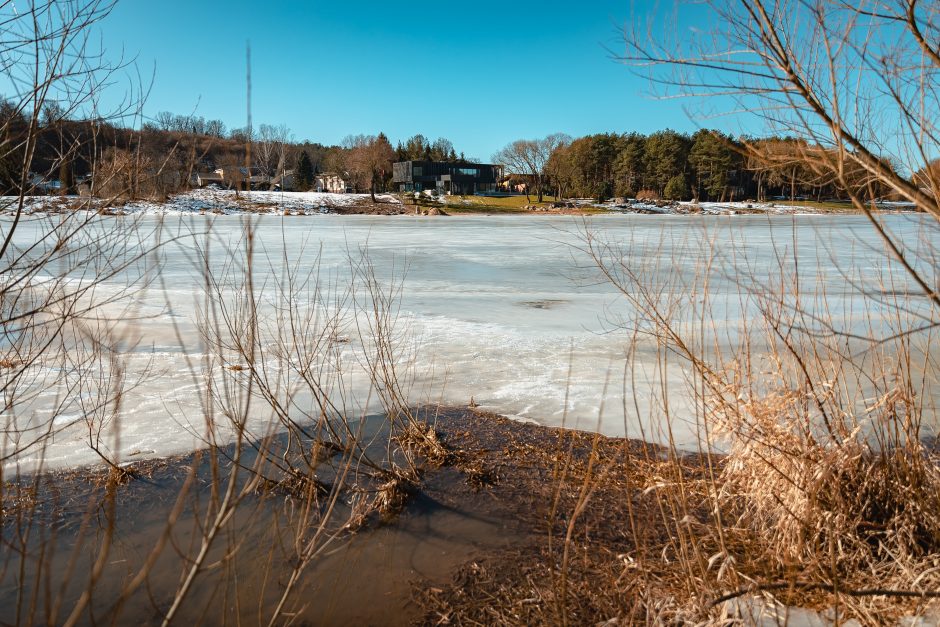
x: 364, y: 206
x: 610, y: 539
x: 539, y: 476
x: 367, y: 207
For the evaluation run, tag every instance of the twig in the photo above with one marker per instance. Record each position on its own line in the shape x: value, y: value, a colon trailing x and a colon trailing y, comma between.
x: 867, y: 592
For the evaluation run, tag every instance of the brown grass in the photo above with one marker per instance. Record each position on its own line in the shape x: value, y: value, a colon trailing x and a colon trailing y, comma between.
x: 824, y: 494
x: 422, y: 439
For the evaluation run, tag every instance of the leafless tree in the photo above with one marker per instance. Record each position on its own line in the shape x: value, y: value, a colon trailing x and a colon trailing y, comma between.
x: 271, y: 146
x: 166, y: 121
x: 71, y: 278
x: 369, y: 158
x: 530, y: 158
x: 857, y: 80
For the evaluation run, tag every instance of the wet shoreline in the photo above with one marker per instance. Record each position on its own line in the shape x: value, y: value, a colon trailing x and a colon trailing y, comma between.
x: 482, y: 501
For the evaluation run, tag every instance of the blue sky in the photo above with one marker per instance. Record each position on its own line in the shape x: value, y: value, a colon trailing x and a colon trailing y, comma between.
x: 480, y: 73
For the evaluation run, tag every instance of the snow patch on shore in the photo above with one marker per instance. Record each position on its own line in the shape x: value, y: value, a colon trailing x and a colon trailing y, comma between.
x: 732, y: 208
x: 202, y: 201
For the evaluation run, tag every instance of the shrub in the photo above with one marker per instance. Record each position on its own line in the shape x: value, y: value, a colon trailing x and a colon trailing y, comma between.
x: 647, y: 194
x: 602, y: 191
x: 677, y: 188
x: 626, y: 190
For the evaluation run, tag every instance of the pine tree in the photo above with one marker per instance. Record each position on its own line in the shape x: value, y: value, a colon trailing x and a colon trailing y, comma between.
x: 712, y: 160
x: 676, y: 188
x: 304, y: 175
x: 665, y: 158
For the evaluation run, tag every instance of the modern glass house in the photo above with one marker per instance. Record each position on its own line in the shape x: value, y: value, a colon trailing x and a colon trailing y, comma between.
x: 445, y: 177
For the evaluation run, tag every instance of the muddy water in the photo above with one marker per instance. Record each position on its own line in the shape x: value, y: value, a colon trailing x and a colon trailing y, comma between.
x: 361, y: 578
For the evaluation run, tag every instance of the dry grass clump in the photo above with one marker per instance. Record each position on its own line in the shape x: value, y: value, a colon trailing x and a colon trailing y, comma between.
x: 824, y: 494
x: 16, y: 497
x: 120, y: 475
x: 392, y: 496
x: 478, y: 474
x: 832, y: 499
x: 294, y: 485
x: 323, y: 450
x: 422, y: 439
x: 387, y: 499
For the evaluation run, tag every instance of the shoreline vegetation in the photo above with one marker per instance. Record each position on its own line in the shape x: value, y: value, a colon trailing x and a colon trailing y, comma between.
x: 509, y: 523
x: 227, y: 202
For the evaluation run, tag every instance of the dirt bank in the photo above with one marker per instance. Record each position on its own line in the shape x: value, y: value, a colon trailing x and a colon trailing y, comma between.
x: 510, y: 523
x: 495, y: 494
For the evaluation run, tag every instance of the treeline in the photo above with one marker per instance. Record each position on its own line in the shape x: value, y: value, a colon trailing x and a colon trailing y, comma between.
x: 275, y: 148
x: 165, y: 154
x: 161, y: 158
x: 707, y: 165
x: 197, y: 125
x: 420, y: 148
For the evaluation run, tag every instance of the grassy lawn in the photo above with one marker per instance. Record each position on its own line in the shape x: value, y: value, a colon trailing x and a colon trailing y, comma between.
x: 821, y: 206
x: 492, y: 204
x: 505, y: 205
x: 825, y: 206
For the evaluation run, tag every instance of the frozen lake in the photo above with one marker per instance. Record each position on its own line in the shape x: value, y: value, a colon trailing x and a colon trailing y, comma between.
x: 507, y: 310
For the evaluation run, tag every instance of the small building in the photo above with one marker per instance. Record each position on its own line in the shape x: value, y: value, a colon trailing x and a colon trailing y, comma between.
x: 518, y: 183
x: 332, y: 183
x: 39, y: 184
x: 447, y: 178
x: 254, y: 178
x: 232, y: 177
x: 283, y: 182
x: 209, y: 178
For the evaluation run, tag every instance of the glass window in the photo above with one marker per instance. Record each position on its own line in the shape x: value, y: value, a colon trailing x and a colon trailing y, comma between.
x: 467, y: 171
x: 417, y: 171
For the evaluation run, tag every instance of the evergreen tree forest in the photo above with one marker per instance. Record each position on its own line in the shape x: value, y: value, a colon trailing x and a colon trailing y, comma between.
x: 707, y: 165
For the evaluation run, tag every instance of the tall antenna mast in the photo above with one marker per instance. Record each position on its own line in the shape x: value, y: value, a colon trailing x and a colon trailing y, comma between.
x: 249, y: 130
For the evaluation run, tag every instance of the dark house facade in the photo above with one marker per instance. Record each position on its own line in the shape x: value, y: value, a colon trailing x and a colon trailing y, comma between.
x: 446, y: 178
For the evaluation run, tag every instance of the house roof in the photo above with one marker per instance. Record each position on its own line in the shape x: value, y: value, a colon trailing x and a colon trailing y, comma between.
x: 459, y: 164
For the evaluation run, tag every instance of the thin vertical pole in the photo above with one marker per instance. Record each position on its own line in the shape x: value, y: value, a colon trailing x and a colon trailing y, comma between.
x: 248, y: 150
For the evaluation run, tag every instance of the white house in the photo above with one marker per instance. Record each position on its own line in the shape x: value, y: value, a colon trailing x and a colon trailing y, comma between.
x: 332, y: 183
